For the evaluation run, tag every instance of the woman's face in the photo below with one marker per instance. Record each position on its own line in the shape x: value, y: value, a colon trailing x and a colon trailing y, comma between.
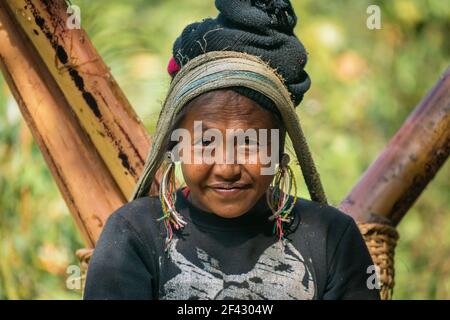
x: 226, y: 189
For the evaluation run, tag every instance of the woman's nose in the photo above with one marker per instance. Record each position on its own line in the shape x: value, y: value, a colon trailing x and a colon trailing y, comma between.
x: 228, y: 172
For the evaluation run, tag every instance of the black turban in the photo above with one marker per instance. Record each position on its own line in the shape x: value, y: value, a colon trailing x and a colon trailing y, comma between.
x: 263, y: 28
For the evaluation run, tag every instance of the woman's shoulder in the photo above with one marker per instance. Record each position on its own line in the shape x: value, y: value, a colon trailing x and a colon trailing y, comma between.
x: 320, y: 215
x: 138, y: 214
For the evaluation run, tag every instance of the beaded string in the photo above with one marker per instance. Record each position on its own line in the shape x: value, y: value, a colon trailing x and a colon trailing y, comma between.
x: 279, y: 199
x: 167, y: 195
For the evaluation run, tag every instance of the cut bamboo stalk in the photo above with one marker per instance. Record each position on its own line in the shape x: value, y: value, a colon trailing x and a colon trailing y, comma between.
x: 394, y: 181
x: 95, y: 98
x: 89, y: 134
x: 81, y: 175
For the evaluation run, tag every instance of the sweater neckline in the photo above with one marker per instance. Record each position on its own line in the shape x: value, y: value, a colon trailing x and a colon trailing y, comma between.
x: 256, y: 217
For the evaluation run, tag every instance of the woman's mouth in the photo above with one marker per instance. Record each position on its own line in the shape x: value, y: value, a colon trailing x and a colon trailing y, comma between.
x: 229, y: 189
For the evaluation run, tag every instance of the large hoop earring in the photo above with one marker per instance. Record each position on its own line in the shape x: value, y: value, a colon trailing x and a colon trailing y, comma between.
x: 168, y: 196
x: 278, y: 196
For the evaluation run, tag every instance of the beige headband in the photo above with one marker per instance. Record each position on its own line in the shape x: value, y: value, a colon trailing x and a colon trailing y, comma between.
x: 224, y: 69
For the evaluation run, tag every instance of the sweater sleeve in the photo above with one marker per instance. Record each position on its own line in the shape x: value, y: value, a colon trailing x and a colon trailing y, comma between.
x: 348, y: 273
x: 118, y: 268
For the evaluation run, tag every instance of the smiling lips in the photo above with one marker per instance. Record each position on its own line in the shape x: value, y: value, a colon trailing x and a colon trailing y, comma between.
x: 229, y: 189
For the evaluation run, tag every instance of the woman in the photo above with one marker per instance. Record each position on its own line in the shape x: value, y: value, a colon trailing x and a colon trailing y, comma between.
x: 234, y: 231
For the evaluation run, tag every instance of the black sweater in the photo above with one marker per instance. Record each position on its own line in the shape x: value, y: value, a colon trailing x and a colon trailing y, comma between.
x: 324, y: 257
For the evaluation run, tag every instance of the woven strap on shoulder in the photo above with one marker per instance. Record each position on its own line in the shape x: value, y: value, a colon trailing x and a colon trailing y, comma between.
x: 381, y: 240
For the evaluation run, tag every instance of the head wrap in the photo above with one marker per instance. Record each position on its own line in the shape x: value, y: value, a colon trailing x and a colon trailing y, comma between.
x: 251, y: 48
x: 263, y: 28
x: 224, y: 69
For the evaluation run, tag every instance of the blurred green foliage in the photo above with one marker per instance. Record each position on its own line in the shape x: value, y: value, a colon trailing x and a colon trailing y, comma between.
x: 365, y: 84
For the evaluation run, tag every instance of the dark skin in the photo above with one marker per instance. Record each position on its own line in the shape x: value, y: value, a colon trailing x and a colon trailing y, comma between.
x: 227, y: 190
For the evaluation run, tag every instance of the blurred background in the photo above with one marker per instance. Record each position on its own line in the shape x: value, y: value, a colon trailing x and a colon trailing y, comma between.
x: 364, y: 85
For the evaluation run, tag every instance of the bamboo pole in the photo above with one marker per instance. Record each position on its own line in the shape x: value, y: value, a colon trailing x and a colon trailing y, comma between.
x: 85, y: 80
x: 394, y: 181
x: 68, y: 151
x: 91, y: 139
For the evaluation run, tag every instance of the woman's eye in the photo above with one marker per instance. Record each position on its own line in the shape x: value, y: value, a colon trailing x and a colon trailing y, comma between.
x: 203, y: 142
x: 251, y: 142
x: 206, y: 142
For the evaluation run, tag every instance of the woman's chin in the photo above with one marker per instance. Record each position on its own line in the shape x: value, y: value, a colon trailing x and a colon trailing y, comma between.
x: 231, y: 205
x: 231, y: 210
x: 230, y: 214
